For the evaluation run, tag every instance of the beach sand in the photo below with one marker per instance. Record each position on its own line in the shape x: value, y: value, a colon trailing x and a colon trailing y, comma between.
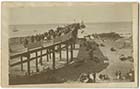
x: 115, y: 64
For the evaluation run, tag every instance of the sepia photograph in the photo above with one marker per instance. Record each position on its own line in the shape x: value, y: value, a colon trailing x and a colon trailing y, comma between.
x: 70, y: 43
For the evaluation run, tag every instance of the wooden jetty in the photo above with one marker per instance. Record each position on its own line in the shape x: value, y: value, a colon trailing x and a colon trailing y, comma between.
x: 52, y: 45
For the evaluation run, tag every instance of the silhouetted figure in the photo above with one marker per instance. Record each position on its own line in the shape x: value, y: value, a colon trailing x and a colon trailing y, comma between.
x: 26, y: 42
x: 90, y: 80
x: 51, y: 34
x: 94, y: 75
x: 118, y: 75
x: 32, y: 39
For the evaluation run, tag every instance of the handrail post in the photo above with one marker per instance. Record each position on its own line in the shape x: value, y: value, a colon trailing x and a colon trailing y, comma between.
x: 60, y: 55
x: 74, y: 45
x: 28, y: 62
x: 67, y: 53
x: 21, y: 63
x: 47, y: 52
x: 37, y: 70
x: 53, y: 51
x: 71, y: 52
x: 41, y: 58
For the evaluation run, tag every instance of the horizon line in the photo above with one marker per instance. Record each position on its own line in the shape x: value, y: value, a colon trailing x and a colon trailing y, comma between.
x: 75, y: 22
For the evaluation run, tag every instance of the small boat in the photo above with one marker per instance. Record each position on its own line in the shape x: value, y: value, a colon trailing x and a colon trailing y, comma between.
x: 15, y: 30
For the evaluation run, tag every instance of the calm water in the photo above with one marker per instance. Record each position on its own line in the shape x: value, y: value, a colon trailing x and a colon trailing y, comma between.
x: 26, y: 30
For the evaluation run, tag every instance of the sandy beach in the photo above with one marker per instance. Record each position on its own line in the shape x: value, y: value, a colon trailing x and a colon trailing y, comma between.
x: 115, y: 64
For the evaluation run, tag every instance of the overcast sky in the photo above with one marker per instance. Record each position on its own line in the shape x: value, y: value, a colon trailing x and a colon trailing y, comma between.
x: 67, y: 14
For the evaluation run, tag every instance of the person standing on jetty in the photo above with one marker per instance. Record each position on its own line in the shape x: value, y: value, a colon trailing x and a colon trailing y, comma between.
x: 26, y: 42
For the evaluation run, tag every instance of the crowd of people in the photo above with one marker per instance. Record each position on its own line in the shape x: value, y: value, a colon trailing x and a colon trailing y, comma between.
x: 48, y: 35
x: 51, y: 34
x: 91, y: 77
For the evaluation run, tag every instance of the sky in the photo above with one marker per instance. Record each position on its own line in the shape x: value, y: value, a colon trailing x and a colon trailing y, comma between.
x: 67, y: 14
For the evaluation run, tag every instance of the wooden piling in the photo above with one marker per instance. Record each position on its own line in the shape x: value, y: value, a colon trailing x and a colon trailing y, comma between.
x: 67, y: 53
x: 28, y: 63
x: 47, y: 52
x: 74, y: 45
x: 71, y: 49
x: 41, y: 57
x: 53, y: 52
x: 60, y: 53
x: 37, y: 70
x: 21, y: 63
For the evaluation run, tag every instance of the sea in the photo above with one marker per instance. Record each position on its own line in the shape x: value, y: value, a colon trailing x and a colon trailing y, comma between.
x: 22, y: 30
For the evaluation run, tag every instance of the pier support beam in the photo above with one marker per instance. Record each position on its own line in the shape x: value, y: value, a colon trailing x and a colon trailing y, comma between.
x: 37, y: 70
x: 47, y: 52
x: 28, y: 63
x: 21, y: 63
x: 67, y: 53
x: 53, y: 51
x: 41, y: 58
x: 60, y: 53
x: 74, y: 45
x: 71, y: 51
